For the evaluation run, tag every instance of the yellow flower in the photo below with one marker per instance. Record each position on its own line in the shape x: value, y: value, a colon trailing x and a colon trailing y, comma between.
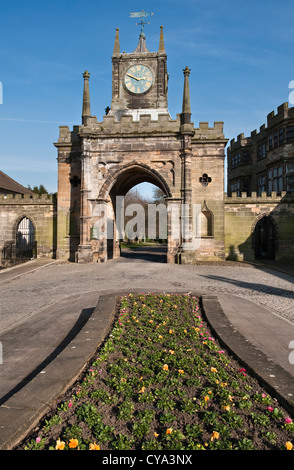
x: 165, y: 367
x: 224, y: 384
x: 171, y: 331
x: 226, y: 407
x: 171, y: 351
x: 73, y: 443
x: 181, y: 371
x: 160, y: 337
x: 213, y: 369
x: 289, y: 445
x: 142, y: 390
x: 94, y: 446
x: 59, y: 445
x: 206, y: 398
x: 169, y: 431
x: 155, y: 434
x: 215, y: 435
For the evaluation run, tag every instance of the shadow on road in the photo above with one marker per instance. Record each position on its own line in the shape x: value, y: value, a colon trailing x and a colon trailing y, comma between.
x: 271, y: 290
x: 153, y: 254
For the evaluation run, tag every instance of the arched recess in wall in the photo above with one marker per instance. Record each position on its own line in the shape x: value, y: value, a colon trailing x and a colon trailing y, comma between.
x: 206, y: 221
x: 25, y: 237
x: 265, y: 236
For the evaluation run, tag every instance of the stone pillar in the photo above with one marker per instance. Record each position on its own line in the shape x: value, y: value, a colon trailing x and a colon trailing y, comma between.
x: 174, y: 235
x: 85, y: 247
x: 187, y: 132
x: 86, y: 112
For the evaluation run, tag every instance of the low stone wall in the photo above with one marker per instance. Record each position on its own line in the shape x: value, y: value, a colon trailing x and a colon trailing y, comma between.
x: 242, y: 215
x: 41, y: 210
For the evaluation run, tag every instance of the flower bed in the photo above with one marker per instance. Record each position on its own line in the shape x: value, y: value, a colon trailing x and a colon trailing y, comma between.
x: 162, y: 382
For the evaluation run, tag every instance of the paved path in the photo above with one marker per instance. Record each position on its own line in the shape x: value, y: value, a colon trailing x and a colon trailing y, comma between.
x: 45, y: 306
x: 31, y: 293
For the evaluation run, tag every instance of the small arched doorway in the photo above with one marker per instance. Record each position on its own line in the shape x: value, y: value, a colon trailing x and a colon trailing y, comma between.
x: 25, y: 239
x: 265, y: 238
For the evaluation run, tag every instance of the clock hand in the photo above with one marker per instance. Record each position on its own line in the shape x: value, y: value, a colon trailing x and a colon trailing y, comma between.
x: 132, y: 76
x: 136, y: 78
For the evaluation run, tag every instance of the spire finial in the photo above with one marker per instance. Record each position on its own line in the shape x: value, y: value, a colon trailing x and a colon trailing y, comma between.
x: 161, y: 41
x: 86, y: 98
x: 116, y: 49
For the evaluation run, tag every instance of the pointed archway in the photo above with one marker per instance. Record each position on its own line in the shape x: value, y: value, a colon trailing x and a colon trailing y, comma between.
x: 265, y: 238
x: 25, y: 238
x: 115, y: 188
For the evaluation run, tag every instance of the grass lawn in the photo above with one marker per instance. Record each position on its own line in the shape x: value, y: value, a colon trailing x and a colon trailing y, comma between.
x: 161, y: 381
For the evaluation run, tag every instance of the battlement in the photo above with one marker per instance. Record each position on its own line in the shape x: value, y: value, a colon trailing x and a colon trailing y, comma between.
x: 283, y: 113
x: 68, y: 137
x: 241, y: 141
x: 204, y: 132
x: 273, y: 119
x: 27, y: 199
x: 143, y: 124
x: 255, y: 199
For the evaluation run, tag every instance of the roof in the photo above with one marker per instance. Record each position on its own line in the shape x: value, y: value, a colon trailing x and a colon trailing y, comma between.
x: 9, y: 185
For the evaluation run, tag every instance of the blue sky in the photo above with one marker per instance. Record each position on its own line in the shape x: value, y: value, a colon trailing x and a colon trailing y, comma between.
x: 240, y: 55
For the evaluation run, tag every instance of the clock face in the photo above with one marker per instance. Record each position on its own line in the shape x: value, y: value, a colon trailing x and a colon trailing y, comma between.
x: 138, y: 79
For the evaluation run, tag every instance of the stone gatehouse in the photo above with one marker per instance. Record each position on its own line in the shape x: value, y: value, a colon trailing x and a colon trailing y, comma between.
x: 138, y: 141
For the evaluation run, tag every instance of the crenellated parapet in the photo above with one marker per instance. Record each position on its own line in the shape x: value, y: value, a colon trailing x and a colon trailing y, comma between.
x: 129, y: 125
x: 273, y: 119
x: 204, y: 132
x: 27, y: 199
x: 283, y: 112
x: 66, y: 136
x: 235, y: 198
x: 241, y: 141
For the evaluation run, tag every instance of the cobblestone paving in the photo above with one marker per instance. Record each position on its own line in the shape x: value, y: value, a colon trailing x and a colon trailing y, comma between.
x: 24, y: 297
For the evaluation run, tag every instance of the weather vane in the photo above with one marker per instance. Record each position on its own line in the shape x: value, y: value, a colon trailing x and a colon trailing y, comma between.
x: 141, y: 14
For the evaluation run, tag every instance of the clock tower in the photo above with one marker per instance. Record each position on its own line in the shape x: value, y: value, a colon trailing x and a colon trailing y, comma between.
x: 139, y: 80
x: 137, y: 141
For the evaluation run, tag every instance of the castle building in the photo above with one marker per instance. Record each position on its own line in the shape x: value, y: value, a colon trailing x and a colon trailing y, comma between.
x: 264, y: 162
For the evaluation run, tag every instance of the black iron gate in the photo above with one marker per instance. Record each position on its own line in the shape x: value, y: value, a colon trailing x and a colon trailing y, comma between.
x: 25, y: 239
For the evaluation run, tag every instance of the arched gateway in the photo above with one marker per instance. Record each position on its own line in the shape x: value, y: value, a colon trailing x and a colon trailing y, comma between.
x: 138, y: 141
